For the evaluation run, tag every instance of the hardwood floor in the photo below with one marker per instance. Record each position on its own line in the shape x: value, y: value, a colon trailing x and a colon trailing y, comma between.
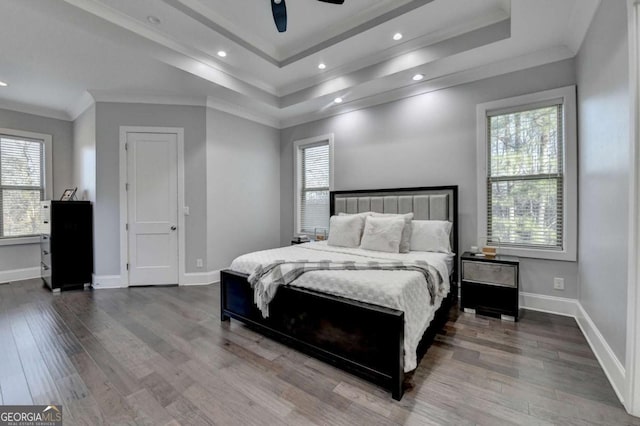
x: 161, y: 356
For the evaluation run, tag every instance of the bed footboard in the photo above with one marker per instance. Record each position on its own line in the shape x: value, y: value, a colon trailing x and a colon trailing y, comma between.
x: 363, y: 339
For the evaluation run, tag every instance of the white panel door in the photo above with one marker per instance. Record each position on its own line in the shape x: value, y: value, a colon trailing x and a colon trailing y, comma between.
x: 152, y: 195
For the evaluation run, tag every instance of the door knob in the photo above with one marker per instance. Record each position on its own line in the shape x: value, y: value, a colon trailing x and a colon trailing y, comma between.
x: 173, y: 228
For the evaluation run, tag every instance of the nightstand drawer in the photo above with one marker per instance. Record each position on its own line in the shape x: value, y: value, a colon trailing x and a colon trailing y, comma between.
x: 490, y: 273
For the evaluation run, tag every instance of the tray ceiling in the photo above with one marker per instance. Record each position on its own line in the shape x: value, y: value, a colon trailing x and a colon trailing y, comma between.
x: 58, y: 52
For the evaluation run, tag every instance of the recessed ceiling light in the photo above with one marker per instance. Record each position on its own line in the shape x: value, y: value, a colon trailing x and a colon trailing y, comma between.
x: 222, y: 53
x: 418, y: 77
x: 321, y: 66
x: 3, y: 84
x: 338, y: 100
x: 397, y: 36
x: 153, y: 20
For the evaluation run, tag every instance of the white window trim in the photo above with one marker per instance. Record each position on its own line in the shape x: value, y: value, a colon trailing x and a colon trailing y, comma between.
x: 570, y: 191
x: 48, y: 176
x: 297, y: 172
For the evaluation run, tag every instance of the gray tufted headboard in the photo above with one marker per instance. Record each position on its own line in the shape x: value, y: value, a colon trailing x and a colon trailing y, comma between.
x: 426, y: 203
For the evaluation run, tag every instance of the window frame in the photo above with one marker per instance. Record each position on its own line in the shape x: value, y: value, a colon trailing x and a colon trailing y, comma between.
x: 48, y: 176
x: 570, y: 182
x: 298, y: 146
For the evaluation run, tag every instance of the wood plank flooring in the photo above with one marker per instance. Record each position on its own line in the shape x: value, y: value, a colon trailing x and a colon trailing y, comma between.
x: 160, y: 356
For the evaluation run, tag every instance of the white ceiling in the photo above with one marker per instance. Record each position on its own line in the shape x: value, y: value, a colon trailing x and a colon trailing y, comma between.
x: 57, y: 56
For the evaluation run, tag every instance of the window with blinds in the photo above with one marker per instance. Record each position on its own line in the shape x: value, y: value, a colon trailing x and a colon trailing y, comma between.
x: 21, y: 185
x: 525, y: 179
x: 314, y: 187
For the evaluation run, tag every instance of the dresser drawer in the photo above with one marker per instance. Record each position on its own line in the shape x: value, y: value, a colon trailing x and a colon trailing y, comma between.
x: 490, y: 273
x: 45, y: 210
x: 45, y: 271
x: 45, y: 255
x: 45, y: 243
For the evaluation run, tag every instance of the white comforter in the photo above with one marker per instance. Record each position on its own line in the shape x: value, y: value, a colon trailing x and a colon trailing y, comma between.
x: 402, y: 290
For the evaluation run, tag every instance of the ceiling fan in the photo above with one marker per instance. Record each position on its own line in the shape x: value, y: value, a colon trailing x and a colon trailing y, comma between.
x: 279, y: 9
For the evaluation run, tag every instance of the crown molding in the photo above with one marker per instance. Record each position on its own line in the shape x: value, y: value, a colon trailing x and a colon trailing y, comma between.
x: 266, y: 118
x: 114, y: 97
x: 542, y: 57
x: 412, y: 61
x: 34, y: 110
x: 238, y: 111
x: 419, y: 43
x: 85, y: 102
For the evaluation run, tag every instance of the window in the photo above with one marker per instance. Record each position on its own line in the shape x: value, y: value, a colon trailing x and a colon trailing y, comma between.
x: 23, y: 177
x: 529, y: 174
x: 313, y: 171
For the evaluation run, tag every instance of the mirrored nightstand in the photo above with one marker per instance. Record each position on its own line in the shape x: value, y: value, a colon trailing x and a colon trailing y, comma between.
x: 490, y: 285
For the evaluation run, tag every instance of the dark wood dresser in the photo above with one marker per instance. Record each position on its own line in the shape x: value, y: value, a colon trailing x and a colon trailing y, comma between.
x: 66, y: 244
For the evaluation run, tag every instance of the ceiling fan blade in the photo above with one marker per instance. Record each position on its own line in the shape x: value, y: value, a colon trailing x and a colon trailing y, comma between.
x: 279, y: 15
x: 333, y: 1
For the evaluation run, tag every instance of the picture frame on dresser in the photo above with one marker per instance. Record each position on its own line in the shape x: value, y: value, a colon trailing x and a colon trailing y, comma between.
x: 69, y: 194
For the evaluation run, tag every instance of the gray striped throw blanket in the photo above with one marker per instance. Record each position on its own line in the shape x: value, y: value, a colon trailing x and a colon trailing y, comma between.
x: 266, y: 279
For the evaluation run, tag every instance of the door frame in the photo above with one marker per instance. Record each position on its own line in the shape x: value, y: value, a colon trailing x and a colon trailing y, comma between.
x: 632, y: 358
x: 124, y: 206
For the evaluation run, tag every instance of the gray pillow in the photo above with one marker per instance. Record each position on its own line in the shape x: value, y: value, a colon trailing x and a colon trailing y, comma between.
x: 345, y: 231
x: 382, y: 234
x: 405, y: 244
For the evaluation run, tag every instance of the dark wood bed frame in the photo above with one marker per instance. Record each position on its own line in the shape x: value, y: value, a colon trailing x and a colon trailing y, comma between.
x: 363, y: 339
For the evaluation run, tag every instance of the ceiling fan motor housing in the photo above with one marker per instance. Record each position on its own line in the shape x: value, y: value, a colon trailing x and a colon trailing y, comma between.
x: 279, y: 10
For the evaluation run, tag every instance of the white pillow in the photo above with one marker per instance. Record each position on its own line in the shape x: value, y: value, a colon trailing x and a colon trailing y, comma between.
x: 405, y: 243
x: 345, y: 231
x: 431, y: 235
x: 382, y: 234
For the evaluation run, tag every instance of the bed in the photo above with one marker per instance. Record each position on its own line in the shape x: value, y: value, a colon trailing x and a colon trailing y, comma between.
x: 375, y: 338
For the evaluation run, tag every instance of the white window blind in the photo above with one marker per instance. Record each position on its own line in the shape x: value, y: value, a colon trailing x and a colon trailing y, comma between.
x: 525, y: 181
x: 314, y: 187
x: 21, y: 185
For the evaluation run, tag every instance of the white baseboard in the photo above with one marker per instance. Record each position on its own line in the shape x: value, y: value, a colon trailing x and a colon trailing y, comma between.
x: 550, y: 304
x: 106, y: 281
x: 612, y: 367
x: 19, y: 274
x: 115, y: 281
x: 201, y: 278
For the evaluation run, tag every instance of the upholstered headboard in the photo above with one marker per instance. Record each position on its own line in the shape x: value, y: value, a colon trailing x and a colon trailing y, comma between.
x: 426, y: 203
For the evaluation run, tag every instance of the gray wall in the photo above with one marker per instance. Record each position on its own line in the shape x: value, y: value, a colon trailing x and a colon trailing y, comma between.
x: 84, y: 154
x: 243, y: 188
x: 603, y: 116
x: 109, y: 118
x: 423, y: 141
x: 28, y: 256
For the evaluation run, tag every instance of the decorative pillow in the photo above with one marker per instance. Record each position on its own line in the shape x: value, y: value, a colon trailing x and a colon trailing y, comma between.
x: 382, y: 234
x: 431, y: 235
x: 405, y: 243
x: 345, y: 231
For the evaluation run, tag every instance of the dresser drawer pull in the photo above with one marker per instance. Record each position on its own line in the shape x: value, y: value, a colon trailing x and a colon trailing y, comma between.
x: 45, y: 267
x: 45, y: 252
x: 46, y: 221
